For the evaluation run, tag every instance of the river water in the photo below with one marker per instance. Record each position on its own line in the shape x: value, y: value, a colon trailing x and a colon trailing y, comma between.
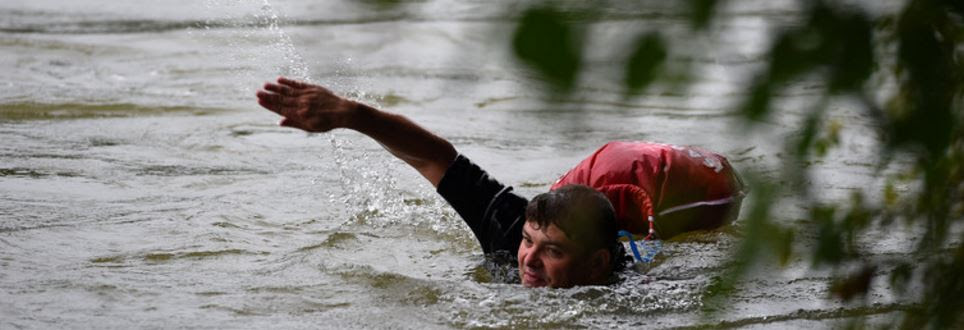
x: 142, y: 186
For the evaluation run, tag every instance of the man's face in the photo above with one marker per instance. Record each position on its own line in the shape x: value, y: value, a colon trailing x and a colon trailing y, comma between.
x: 548, y: 258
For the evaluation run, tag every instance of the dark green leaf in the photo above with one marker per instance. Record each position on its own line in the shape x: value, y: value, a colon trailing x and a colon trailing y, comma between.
x: 701, y: 12
x: 757, y: 104
x: 852, y: 53
x: 857, y: 284
x: 546, y: 42
x: 645, y: 62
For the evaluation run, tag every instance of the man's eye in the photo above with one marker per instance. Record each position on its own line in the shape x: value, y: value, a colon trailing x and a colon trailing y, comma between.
x: 527, y: 241
x: 555, y: 253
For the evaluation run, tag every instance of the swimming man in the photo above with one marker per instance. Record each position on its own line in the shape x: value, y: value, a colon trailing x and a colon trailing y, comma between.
x: 562, y: 238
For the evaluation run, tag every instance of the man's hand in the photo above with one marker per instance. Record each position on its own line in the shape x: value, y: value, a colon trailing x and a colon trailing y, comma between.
x: 315, y: 109
x: 308, y: 107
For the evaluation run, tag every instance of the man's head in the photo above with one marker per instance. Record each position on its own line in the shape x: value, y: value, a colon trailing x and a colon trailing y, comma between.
x: 569, y: 238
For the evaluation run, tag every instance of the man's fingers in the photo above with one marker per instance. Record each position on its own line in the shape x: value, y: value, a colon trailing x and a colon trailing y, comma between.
x: 290, y: 99
x: 269, y: 97
x: 274, y: 107
x: 280, y: 89
x: 278, y: 98
x: 292, y: 83
x: 277, y: 103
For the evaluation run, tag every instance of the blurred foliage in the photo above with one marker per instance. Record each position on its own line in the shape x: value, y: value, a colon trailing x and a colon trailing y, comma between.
x: 644, y: 63
x: 550, y: 45
x: 701, y: 12
x: 850, y: 52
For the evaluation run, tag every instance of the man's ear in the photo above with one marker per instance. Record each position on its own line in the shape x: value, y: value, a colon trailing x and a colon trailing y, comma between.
x: 601, y: 264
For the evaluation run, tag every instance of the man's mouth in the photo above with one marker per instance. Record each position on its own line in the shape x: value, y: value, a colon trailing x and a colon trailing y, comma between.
x: 532, y: 280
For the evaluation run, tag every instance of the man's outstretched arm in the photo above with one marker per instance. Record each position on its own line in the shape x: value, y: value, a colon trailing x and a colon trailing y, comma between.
x: 313, y: 108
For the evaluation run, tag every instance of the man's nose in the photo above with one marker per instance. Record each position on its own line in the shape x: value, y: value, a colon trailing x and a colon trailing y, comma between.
x: 532, y: 259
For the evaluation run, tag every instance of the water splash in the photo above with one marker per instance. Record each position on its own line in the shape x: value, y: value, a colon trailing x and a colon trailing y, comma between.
x: 295, y: 65
x: 257, y: 47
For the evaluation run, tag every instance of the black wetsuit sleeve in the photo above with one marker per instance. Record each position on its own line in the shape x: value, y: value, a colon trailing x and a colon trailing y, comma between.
x: 493, y: 212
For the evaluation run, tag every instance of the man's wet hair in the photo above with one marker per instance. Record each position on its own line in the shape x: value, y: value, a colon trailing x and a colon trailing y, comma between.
x: 585, y: 215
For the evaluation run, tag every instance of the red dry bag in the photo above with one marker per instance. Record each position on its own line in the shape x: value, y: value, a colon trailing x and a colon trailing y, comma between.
x: 681, y: 188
